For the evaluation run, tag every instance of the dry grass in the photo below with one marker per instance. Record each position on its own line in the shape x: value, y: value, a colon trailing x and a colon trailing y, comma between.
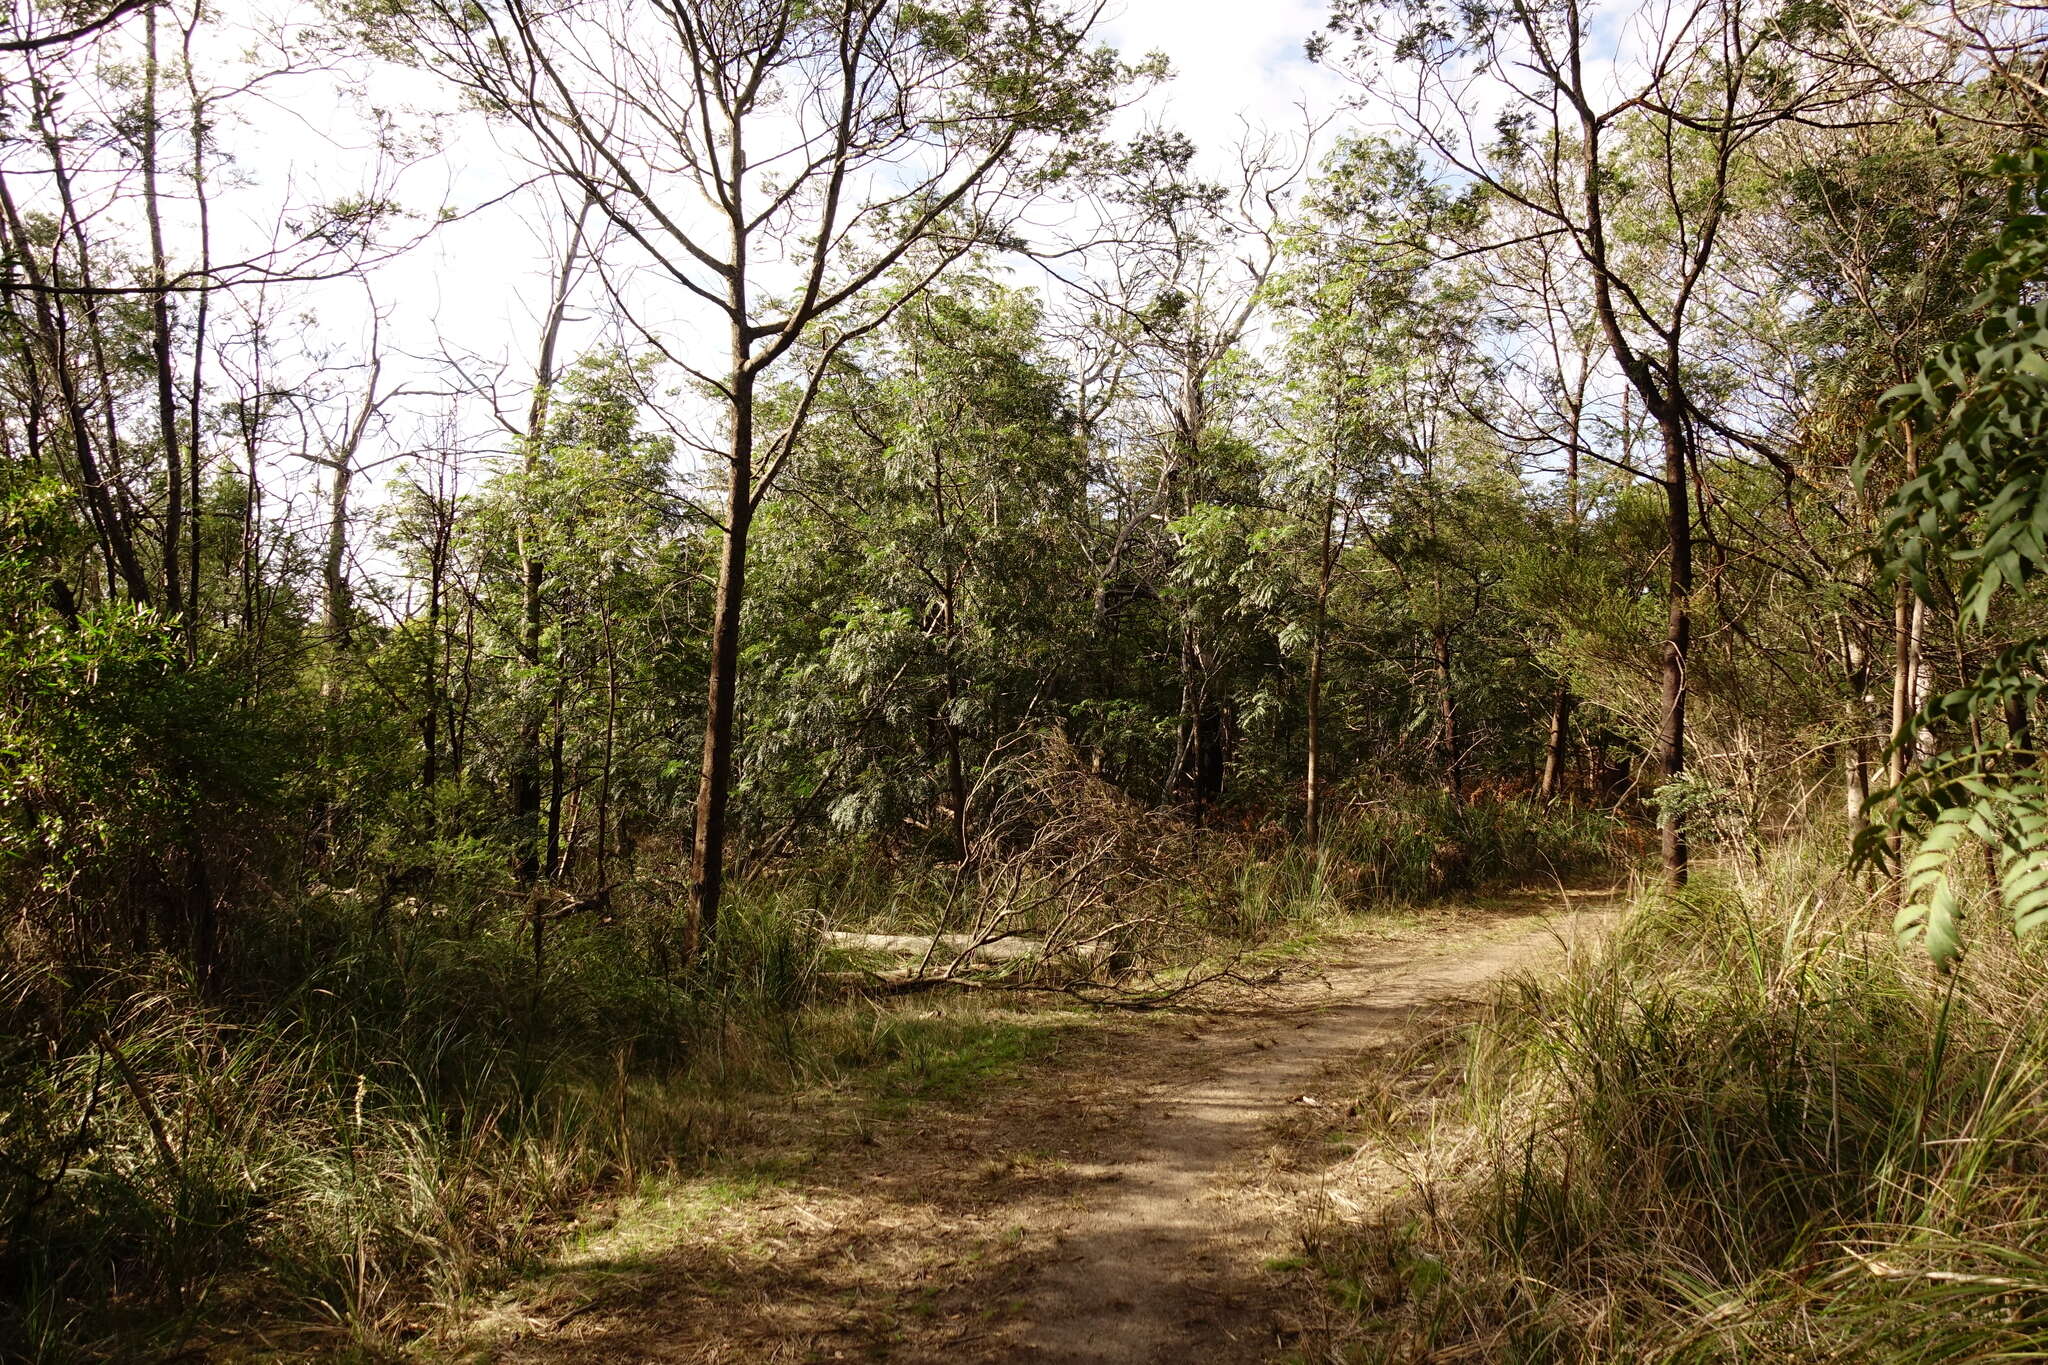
x: 1750, y: 1131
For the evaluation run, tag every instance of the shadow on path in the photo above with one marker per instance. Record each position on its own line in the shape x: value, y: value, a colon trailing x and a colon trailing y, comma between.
x: 1105, y: 1211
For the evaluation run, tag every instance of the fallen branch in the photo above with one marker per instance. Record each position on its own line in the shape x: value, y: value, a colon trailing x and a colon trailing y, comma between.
x: 1109, y: 995
x: 966, y: 947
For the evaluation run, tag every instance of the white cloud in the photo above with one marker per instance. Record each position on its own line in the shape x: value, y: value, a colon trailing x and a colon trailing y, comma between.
x: 1234, y: 63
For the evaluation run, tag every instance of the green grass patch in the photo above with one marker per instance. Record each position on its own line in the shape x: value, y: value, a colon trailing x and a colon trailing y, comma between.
x: 948, y: 1059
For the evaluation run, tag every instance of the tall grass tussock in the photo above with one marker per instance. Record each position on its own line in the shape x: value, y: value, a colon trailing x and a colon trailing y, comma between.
x: 1750, y: 1129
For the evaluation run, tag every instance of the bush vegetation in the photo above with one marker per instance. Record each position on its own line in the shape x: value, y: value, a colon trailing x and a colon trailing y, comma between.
x: 1749, y: 1129
x: 389, y: 1110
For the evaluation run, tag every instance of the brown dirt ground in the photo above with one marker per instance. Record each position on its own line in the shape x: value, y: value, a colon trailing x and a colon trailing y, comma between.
x: 1134, y: 1199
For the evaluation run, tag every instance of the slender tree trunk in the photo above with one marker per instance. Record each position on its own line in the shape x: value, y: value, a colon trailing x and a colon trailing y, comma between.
x: 714, y: 786
x: 1556, y: 752
x: 526, y: 780
x: 194, y: 465
x: 334, y: 602
x: 1855, y: 778
x: 160, y: 334
x: 252, y: 418
x: 1326, y: 566
x: 526, y: 764
x: 1855, y: 749
x: 430, y: 723
x: 604, y: 776
x: 956, y: 777
x: 949, y: 634
x: 1909, y: 627
x: 1557, y: 748
x: 1447, y: 715
x: 557, y: 777
x: 1678, y: 639
x: 1661, y: 387
x: 459, y: 698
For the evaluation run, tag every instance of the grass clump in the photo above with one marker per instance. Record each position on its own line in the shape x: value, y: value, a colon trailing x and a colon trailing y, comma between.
x: 1751, y: 1130
x: 372, y: 1122
x: 389, y: 1114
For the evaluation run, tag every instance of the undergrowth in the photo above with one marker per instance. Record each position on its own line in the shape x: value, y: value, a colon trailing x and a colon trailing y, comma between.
x: 391, y: 1106
x: 1750, y: 1130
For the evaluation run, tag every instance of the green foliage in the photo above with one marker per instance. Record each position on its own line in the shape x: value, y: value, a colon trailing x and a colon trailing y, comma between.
x: 2007, y: 820
x: 1979, y: 409
x: 1977, y: 510
x: 115, y: 754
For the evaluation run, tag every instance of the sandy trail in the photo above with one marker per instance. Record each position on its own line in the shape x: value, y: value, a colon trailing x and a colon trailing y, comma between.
x: 1117, y: 1208
x: 1165, y: 1268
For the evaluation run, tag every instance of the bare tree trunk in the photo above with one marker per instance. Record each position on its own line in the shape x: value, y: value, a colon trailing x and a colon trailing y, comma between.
x: 1855, y: 749
x: 160, y: 333
x: 557, y: 778
x: 1556, y: 749
x: 334, y: 604
x: 714, y: 787
x: 1447, y: 715
x: 1326, y: 569
x: 437, y: 571
x: 604, y: 777
x: 194, y: 465
x: 1677, y: 641
x: 1855, y: 778
x: 949, y: 634
x: 1909, y: 629
x: 526, y: 764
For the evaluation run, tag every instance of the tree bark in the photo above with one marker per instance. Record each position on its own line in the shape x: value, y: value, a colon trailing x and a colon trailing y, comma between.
x: 1554, y: 752
x: 1677, y: 640
x: 526, y: 765
x: 714, y: 786
x: 1447, y: 713
x: 160, y: 336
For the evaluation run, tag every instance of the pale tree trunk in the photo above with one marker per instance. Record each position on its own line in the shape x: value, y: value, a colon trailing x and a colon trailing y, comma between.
x: 1909, y: 630
x: 160, y: 336
x: 526, y: 766
x: 194, y: 466
x: 1856, y: 749
x: 1326, y: 563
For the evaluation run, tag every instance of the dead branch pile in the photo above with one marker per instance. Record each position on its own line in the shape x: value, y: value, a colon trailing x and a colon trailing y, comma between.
x: 1100, y: 888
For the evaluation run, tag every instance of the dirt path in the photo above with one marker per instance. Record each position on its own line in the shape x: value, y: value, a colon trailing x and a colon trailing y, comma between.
x: 1120, y: 1206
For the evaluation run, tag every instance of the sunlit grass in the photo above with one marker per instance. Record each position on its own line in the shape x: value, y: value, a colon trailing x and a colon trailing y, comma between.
x: 1752, y: 1130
